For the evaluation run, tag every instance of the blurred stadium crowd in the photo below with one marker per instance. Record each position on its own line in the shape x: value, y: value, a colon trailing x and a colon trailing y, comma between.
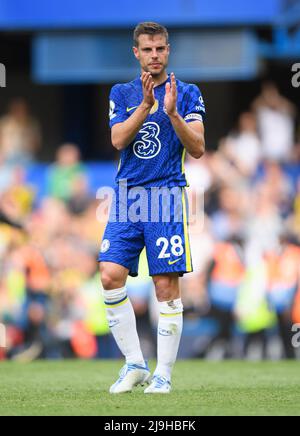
x: 244, y: 294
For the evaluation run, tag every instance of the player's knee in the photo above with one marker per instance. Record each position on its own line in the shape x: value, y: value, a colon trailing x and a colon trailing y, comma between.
x: 110, y: 280
x: 164, y: 295
x: 166, y: 288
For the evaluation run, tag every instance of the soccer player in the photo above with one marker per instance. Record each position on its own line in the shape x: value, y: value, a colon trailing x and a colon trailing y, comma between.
x: 154, y: 120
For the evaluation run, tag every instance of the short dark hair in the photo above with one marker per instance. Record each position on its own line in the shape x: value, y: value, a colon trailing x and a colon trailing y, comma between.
x: 149, y: 28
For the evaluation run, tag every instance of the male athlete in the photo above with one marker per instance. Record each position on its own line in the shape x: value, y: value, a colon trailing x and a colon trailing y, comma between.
x: 154, y: 119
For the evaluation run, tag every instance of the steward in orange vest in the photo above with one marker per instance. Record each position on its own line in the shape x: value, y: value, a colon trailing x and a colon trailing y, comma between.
x: 283, y: 269
x: 227, y: 272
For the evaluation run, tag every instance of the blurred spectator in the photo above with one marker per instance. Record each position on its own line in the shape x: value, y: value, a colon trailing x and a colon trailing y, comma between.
x: 38, y: 340
x: 225, y: 275
x: 293, y: 221
x: 264, y: 223
x: 65, y: 171
x: 296, y: 308
x: 280, y: 187
x: 275, y: 117
x: 198, y: 173
x: 283, y: 268
x: 20, y: 136
x: 243, y: 148
x: 80, y: 198
x: 6, y: 174
x: 50, y: 292
x: 251, y: 310
x: 229, y: 217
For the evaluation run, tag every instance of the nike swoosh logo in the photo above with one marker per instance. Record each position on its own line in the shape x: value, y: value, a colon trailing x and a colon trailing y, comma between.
x: 171, y: 262
x: 113, y: 323
x: 128, y: 109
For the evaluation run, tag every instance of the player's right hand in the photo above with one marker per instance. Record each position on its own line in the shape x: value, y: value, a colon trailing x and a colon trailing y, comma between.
x: 148, y: 86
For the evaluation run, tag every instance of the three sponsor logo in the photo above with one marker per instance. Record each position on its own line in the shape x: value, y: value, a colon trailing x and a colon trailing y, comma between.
x: 149, y: 145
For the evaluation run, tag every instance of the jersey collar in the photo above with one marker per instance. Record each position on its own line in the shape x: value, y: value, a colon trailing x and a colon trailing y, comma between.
x: 157, y: 86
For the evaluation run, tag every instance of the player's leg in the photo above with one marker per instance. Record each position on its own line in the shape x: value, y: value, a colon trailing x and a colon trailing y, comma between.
x: 119, y: 310
x: 119, y: 257
x: 168, y: 332
x: 169, y: 256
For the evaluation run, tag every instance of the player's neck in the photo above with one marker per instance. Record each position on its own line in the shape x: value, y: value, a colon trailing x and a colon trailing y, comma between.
x: 160, y: 79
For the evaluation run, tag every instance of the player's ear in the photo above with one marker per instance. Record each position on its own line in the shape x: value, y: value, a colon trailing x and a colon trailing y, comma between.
x: 136, y: 52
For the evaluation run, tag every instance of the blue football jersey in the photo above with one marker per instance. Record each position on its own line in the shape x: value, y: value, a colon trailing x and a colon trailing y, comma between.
x: 156, y: 156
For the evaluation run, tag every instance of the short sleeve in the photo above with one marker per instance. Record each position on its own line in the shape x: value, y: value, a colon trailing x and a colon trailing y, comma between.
x: 195, y: 108
x: 117, y: 106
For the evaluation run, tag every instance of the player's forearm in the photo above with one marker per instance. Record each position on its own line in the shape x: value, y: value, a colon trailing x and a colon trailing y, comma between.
x: 192, y: 140
x: 124, y: 133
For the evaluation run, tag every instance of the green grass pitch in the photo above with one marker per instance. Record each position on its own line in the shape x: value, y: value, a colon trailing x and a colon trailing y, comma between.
x: 199, y: 388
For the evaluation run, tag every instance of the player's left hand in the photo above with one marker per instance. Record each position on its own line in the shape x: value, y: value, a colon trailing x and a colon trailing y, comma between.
x: 170, y: 101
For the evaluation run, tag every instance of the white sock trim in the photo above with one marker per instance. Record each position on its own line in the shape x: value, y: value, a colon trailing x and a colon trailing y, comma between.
x: 114, y: 295
x: 172, y: 307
